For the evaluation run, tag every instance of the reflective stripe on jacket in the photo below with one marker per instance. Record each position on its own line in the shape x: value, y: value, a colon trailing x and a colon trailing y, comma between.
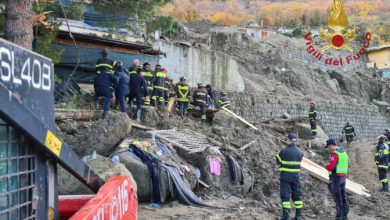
x: 312, y: 113
x: 159, y: 81
x: 183, y: 92
x: 104, y: 64
x: 290, y: 159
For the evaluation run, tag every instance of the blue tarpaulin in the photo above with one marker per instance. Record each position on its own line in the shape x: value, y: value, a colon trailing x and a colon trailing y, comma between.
x: 88, y: 56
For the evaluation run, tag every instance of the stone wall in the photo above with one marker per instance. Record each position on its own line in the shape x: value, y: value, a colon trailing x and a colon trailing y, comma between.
x: 367, y: 120
x: 200, y: 65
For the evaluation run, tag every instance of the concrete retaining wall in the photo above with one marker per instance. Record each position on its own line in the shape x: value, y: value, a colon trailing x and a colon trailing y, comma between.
x: 367, y: 120
x: 199, y: 65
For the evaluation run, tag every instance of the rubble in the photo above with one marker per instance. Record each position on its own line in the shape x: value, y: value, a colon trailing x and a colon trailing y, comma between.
x: 102, y: 166
x: 101, y: 136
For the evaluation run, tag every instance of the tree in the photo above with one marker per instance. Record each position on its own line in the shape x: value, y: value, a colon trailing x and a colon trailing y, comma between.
x: 19, y: 26
x: 315, y: 21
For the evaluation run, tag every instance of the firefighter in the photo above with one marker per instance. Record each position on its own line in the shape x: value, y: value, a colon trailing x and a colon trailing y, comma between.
x: 104, y: 85
x: 170, y: 92
x: 123, y: 88
x: 138, y: 89
x: 105, y: 64
x: 210, y: 96
x: 387, y: 134
x: 136, y: 65
x: 183, y: 96
x: 200, y: 99
x: 224, y: 100
x: 349, y: 132
x: 338, y: 170
x: 382, y: 162
x: 289, y: 160
x: 387, y: 143
x: 313, y: 118
x: 159, y: 87
x: 149, y: 77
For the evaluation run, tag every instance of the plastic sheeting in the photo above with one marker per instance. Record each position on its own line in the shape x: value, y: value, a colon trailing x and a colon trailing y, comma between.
x: 88, y: 56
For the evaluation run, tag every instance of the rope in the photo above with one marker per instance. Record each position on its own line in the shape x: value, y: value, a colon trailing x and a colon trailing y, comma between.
x: 74, y: 43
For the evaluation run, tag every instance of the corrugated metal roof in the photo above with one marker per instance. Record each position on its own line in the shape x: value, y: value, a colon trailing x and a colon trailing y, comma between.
x: 81, y: 28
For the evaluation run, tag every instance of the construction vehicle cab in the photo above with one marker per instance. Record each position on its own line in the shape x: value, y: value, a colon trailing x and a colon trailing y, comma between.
x: 30, y: 151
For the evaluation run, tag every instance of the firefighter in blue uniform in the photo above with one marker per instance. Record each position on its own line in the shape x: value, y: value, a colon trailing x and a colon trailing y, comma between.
x: 149, y: 77
x: 382, y: 162
x: 183, y: 96
x: 313, y: 118
x: 224, y: 100
x: 105, y: 64
x: 289, y: 160
x: 138, y: 89
x: 104, y: 86
x: 158, y: 97
x: 134, y: 67
x: 349, y: 132
x: 200, y: 99
x: 123, y: 88
x: 387, y: 134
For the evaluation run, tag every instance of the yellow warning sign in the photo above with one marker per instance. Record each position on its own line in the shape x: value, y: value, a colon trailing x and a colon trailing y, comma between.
x: 53, y: 143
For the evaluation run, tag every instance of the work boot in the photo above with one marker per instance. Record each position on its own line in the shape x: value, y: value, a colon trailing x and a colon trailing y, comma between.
x: 105, y: 115
x: 285, y: 216
x: 385, y: 187
x: 298, y: 214
x: 138, y: 115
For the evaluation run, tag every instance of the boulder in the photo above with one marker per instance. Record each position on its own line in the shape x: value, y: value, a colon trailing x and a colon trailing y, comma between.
x: 102, y: 166
x: 101, y: 136
x: 141, y: 176
x: 304, y: 131
x: 223, y: 182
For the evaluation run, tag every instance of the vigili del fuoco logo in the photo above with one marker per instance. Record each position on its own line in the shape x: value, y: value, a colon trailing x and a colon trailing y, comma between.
x: 337, y: 37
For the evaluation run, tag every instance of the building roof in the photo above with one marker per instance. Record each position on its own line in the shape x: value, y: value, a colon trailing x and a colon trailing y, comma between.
x: 102, y: 35
x: 382, y: 47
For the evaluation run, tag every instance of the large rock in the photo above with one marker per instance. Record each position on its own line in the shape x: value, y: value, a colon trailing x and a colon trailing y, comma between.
x: 102, y: 136
x: 304, y: 131
x: 224, y: 119
x: 141, y: 175
x: 223, y: 182
x: 102, y: 166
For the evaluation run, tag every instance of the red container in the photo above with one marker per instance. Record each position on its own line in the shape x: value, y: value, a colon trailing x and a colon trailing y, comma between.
x: 115, y: 200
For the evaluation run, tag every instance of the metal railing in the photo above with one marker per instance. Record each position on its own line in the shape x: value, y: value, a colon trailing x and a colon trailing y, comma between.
x: 17, y: 175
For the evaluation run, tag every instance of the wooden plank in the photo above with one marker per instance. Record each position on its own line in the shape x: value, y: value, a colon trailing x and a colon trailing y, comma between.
x: 203, y: 183
x: 79, y: 115
x: 196, y: 151
x: 170, y: 105
x: 247, y: 145
x: 322, y: 174
x: 142, y: 127
x: 239, y: 118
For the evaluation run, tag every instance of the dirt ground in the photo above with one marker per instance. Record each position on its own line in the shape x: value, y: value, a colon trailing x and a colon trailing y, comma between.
x: 263, y: 201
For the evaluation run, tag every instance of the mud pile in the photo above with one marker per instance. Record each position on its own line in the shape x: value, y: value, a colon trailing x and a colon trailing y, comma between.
x: 263, y: 199
x: 259, y: 198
